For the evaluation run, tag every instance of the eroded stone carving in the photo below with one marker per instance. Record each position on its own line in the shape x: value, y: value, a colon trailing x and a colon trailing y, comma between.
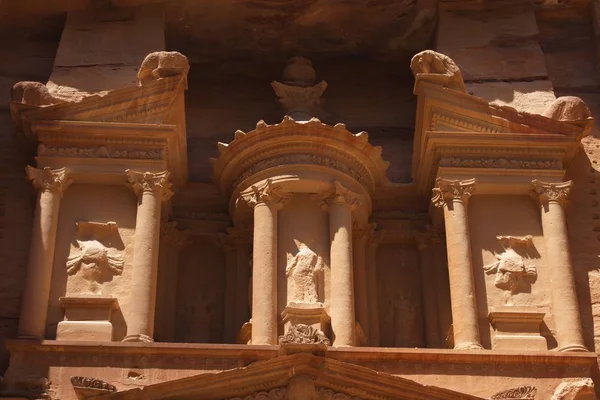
x: 521, y: 392
x: 298, y: 94
x: 327, y: 394
x: 568, y: 108
x: 265, y: 192
x: 49, y: 179
x: 299, y: 388
x: 97, y: 152
x: 32, y: 94
x: 304, y: 334
x: 575, y: 389
x: 303, y: 272
x: 162, y: 64
x: 437, y: 68
x: 512, y: 270
x: 91, y: 383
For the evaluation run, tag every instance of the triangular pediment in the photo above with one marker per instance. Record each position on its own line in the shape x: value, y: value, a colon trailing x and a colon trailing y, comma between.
x: 294, y: 376
x: 460, y: 131
x: 151, y: 103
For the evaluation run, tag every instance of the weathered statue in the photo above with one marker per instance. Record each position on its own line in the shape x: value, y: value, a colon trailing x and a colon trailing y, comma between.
x: 437, y: 68
x: 303, y: 273
x: 32, y: 94
x: 95, y: 259
x: 162, y: 64
x: 568, y: 108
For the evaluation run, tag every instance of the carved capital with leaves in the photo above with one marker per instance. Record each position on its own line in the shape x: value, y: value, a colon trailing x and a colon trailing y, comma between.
x: 552, y: 192
x: 448, y: 190
x: 343, y: 195
x: 47, y: 179
x: 157, y: 183
x: 266, y: 192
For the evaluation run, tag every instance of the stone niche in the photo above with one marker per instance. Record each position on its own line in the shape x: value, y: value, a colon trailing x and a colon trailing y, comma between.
x: 306, y: 188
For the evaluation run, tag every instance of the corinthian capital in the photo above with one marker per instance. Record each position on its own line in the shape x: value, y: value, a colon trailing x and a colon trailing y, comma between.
x: 558, y: 192
x: 446, y: 190
x: 264, y: 193
x: 343, y: 195
x: 157, y: 183
x: 49, y: 179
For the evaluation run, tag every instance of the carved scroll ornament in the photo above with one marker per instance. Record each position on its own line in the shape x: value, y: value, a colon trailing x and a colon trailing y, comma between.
x: 521, y: 392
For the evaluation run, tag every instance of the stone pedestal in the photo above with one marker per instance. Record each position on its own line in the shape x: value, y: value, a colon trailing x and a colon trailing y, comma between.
x: 308, y: 314
x: 517, y: 328
x: 87, y: 319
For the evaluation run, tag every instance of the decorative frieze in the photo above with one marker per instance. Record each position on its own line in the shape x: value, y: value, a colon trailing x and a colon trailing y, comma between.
x: 98, y: 152
x: 521, y: 392
x: 459, y: 162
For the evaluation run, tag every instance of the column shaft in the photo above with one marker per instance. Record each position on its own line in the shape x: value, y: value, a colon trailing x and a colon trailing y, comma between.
x: 151, y: 189
x: 230, y: 332
x: 452, y: 196
x: 430, y: 304
x: 565, y: 307
x: 242, y: 314
x: 264, y: 278
x: 36, y: 292
x: 342, y: 279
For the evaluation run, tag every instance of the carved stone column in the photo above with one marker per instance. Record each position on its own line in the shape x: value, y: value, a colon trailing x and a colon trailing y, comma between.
x: 565, y: 309
x: 266, y: 201
x: 173, y: 241
x: 361, y: 280
x: 341, y: 205
x: 51, y: 185
x: 426, y: 241
x: 241, y: 239
x: 373, y: 242
x: 152, y: 189
x: 452, y: 196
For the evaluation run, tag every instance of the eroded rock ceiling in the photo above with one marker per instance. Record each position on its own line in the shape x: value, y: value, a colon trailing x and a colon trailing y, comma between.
x: 236, y: 29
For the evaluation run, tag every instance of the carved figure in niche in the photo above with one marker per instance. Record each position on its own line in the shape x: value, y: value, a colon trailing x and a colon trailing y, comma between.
x: 400, y: 314
x: 514, y: 272
x: 304, y: 271
x: 94, y: 261
x: 437, y: 68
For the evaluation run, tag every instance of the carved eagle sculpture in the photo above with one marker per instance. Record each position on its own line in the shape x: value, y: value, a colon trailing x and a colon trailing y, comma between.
x: 96, y: 255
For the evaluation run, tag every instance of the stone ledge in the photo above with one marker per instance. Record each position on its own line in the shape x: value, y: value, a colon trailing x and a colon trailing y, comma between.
x: 265, y: 352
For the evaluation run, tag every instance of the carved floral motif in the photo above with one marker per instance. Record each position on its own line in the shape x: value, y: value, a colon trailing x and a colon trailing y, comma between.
x: 91, y: 383
x: 282, y: 394
x: 499, y: 163
x: 266, y: 192
x: 150, y: 182
x: 512, y: 270
x: 521, y: 392
x: 49, y: 179
x: 556, y: 192
x: 447, y: 190
x: 304, y: 334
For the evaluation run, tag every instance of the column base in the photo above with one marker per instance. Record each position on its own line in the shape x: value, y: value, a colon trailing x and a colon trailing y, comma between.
x: 468, y: 346
x: 573, y: 348
x: 138, y: 338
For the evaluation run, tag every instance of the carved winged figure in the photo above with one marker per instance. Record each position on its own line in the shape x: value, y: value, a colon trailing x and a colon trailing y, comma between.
x: 511, y: 269
x: 304, y: 271
x: 96, y: 258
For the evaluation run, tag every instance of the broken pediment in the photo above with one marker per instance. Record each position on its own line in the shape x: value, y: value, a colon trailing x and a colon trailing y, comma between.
x: 294, y: 377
